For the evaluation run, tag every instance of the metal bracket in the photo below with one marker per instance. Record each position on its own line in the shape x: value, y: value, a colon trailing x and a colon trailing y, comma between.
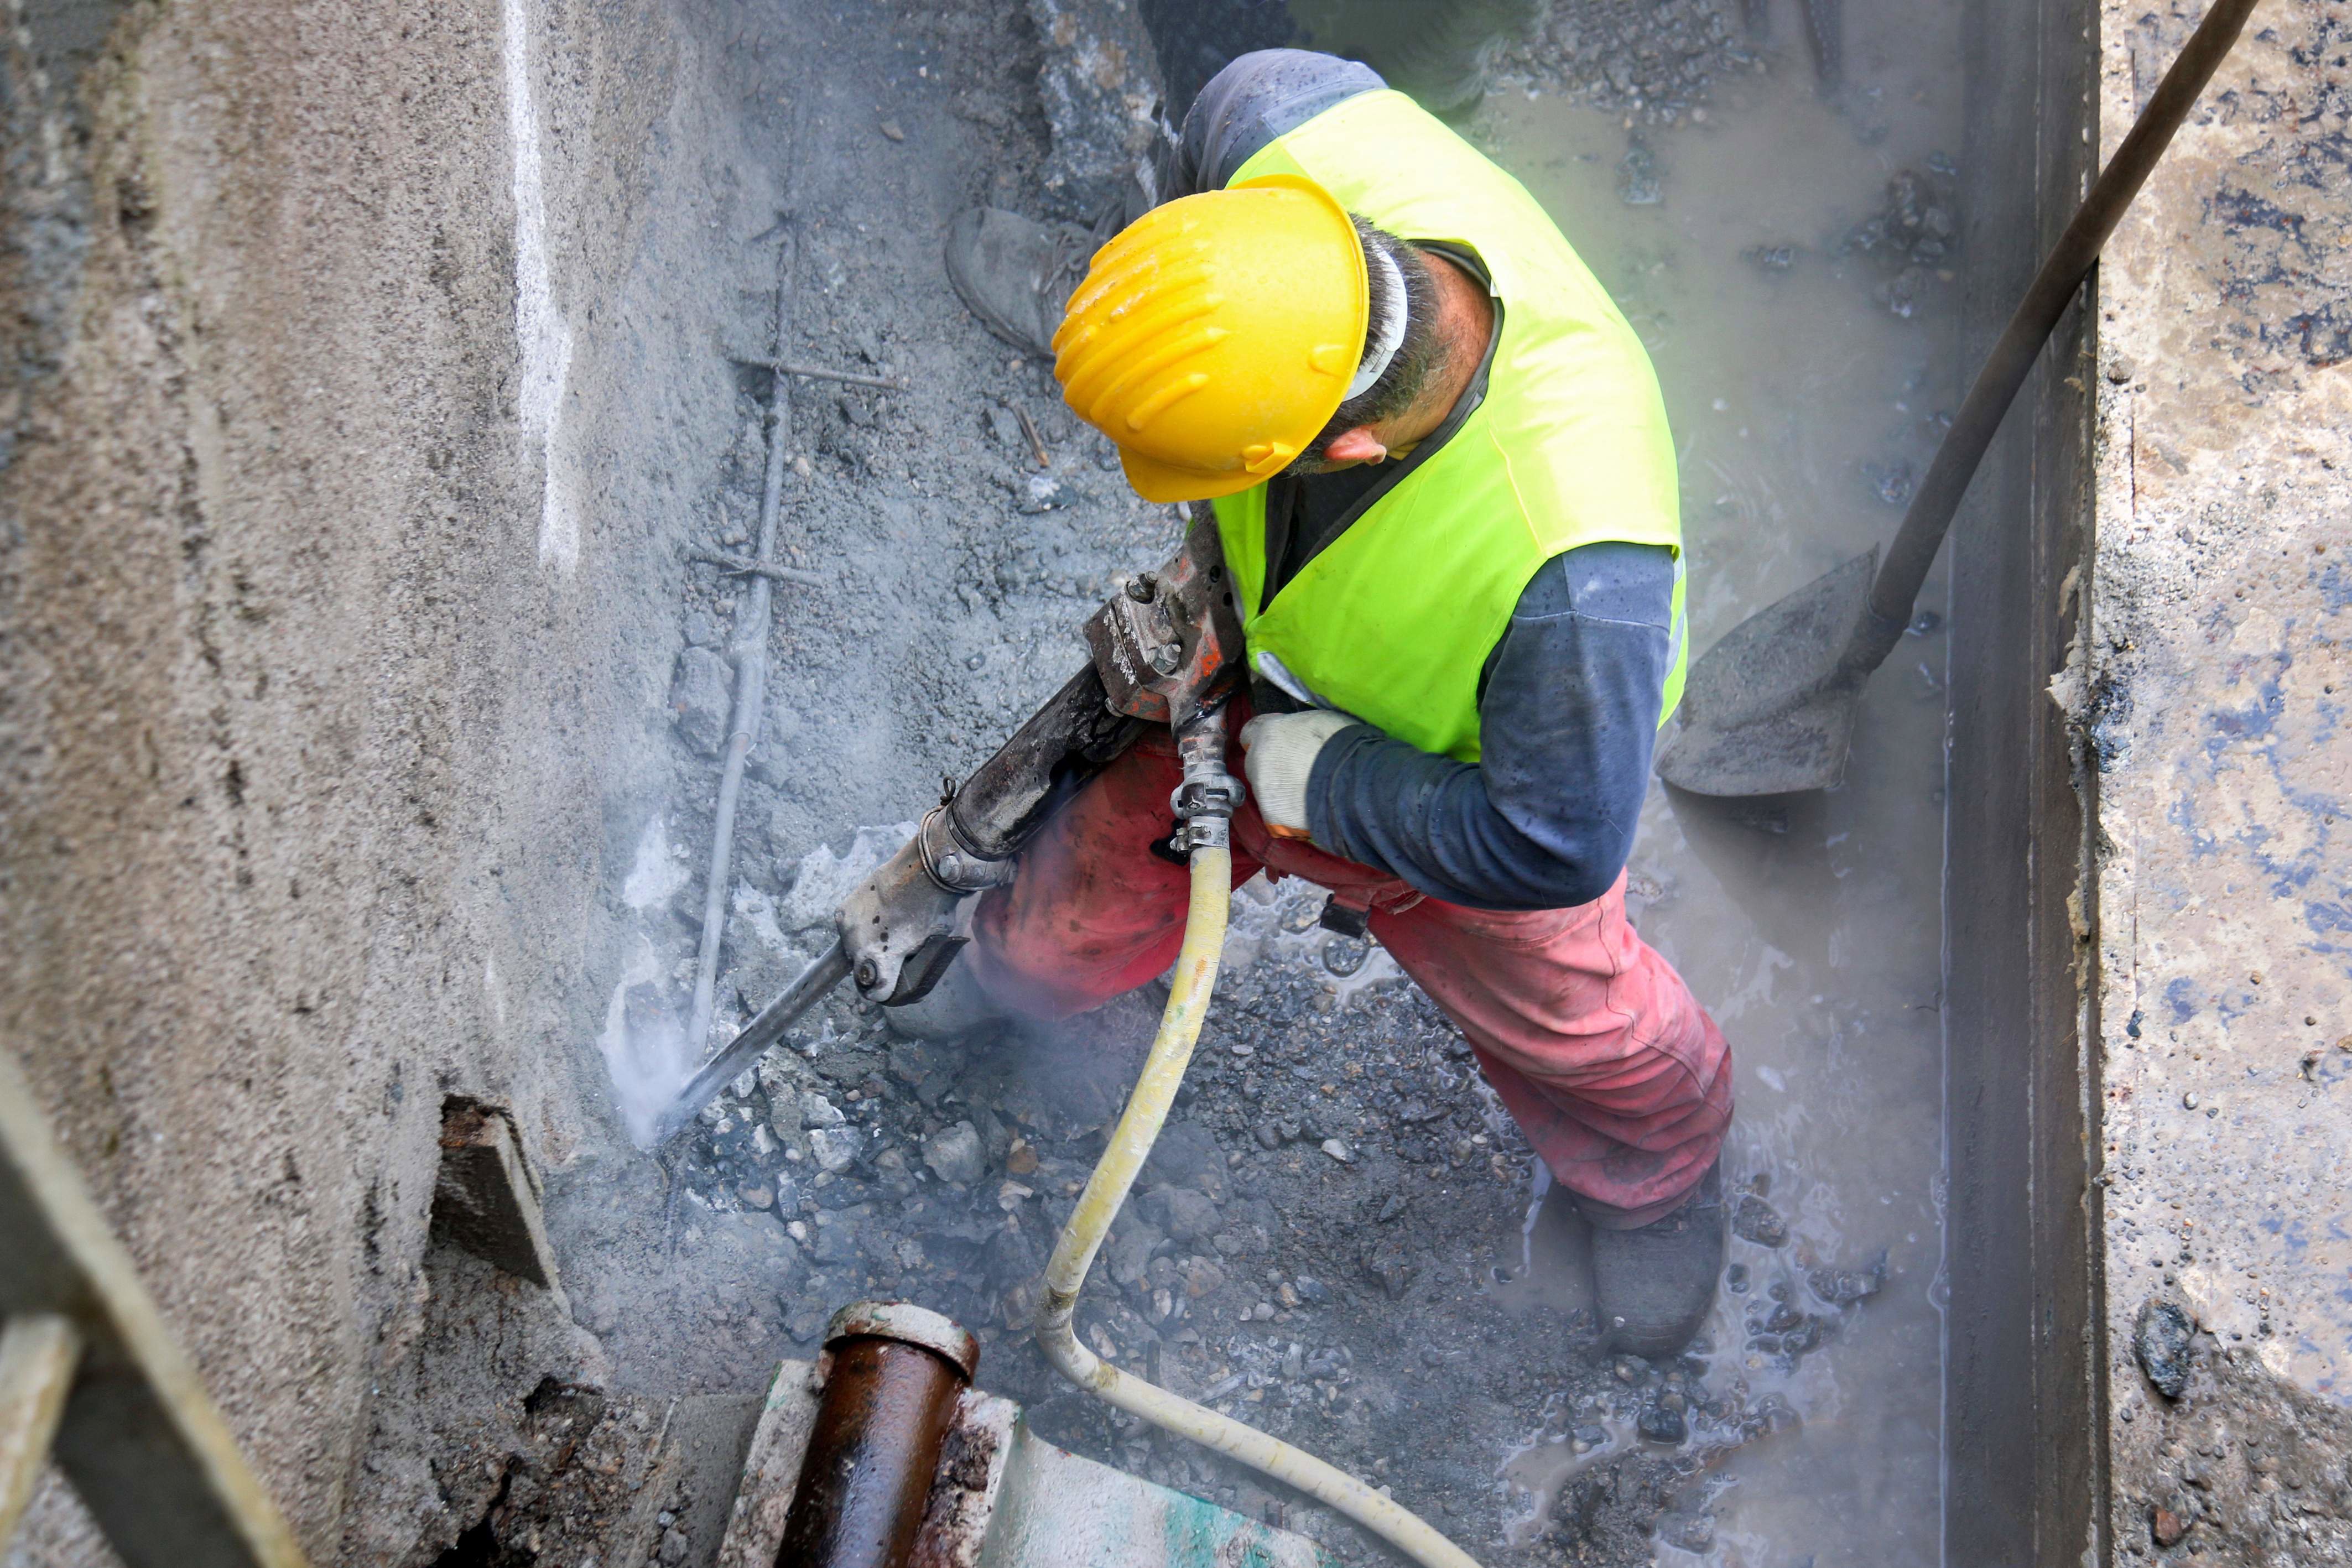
x: 1168, y: 644
x: 948, y: 860
x: 901, y: 928
x: 903, y: 925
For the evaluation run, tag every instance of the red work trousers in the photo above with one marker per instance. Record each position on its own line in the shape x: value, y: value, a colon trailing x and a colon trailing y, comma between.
x: 1618, y: 1077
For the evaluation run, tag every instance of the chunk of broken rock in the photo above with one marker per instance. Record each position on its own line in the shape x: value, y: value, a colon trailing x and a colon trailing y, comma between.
x: 1758, y: 1221
x: 1844, y: 1287
x: 1128, y: 1255
x: 1187, y: 1154
x: 1184, y: 1214
x: 700, y: 699
x: 1201, y: 1277
x: 2160, y: 1339
x: 836, y: 1149
x: 955, y: 1155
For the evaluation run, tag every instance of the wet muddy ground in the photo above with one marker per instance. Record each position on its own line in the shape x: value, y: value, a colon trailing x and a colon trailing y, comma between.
x: 1334, y: 1240
x: 1796, y: 280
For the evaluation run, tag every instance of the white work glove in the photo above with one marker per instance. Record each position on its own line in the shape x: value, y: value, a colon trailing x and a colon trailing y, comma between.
x: 1279, y: 751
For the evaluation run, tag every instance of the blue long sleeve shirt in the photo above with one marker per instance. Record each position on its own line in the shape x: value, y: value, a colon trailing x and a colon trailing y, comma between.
x: 1568, y: 716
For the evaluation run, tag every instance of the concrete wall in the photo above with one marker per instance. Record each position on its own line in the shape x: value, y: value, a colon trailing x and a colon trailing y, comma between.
x: 2210, y: 692
x: 358, y: 356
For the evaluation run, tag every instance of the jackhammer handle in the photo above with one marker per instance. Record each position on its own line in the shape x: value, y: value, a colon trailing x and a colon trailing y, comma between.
x: 1074, y: 735
x: 2069, y: 262
x: 830, y: 968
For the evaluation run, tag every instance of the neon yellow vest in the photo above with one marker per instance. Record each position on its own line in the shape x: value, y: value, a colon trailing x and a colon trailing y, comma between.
x: 1394, y: 620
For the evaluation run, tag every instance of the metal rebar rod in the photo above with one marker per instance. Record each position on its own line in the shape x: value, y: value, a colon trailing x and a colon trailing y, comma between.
x: 750, y: 650
x: 825, y: 373
x: 743, y: 565
x: 1036, y: 442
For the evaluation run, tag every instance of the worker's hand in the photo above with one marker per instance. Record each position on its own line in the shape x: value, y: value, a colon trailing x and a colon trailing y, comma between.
x: 1279, y: 758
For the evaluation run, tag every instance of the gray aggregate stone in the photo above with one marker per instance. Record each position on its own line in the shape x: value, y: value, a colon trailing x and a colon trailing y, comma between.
x: 698, y: 700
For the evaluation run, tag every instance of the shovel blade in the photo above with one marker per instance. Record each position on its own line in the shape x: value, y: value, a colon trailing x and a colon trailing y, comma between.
x: 1770, y: 709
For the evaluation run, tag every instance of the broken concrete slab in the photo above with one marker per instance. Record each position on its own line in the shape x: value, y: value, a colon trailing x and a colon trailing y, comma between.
x: 486, y: 1199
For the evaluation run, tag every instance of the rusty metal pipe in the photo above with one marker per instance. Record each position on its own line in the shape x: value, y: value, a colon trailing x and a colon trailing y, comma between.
x: 893, y: 1373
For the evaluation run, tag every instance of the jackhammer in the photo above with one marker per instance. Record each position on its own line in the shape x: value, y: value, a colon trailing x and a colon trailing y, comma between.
x: 1167, y: 650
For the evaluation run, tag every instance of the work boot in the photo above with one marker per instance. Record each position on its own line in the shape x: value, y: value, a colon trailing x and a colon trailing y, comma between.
x: 1015, y: 274
x: 953, y: 1008
x: 1653, y: 1284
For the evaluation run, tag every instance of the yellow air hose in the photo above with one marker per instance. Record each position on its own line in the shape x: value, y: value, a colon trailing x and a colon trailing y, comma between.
x: 1106, y: 1188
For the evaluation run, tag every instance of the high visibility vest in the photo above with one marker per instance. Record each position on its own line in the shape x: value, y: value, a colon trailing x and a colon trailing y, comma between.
x: 1393, y: 620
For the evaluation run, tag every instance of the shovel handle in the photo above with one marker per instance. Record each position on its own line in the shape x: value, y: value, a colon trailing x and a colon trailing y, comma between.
x: 2069, y: 262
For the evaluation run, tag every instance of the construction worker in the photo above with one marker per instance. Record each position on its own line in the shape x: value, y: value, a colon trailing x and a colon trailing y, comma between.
x: 1441, y: 468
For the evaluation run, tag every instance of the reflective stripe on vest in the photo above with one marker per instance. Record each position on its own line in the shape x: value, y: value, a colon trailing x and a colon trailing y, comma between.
x: 1394, y: 620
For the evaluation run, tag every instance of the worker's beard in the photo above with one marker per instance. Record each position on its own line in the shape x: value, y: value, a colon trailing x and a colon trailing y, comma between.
x: 1416, y: 359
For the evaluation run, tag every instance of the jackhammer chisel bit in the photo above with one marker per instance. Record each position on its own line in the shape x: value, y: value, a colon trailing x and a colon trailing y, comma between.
x: 831, y: 967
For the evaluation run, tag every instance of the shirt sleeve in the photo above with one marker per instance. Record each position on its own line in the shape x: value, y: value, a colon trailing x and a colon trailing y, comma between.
x: 1257, y: 98
x: 1568, y: 719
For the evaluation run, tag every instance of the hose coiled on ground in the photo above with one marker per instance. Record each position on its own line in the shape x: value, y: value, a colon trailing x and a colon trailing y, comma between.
x: 1204, y: 804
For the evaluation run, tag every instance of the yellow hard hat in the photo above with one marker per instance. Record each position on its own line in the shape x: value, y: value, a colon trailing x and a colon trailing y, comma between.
x: 1214, y: 336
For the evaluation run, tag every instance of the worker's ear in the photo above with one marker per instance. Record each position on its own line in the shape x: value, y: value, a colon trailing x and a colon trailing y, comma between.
x: 1356, y: 445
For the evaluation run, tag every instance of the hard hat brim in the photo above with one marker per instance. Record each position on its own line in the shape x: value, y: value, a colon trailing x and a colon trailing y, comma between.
x: 1167, y: 483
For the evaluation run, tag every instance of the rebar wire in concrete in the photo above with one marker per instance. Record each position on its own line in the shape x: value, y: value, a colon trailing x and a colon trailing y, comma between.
x: 750, y: 651
x: 1036, y: 442
x: 823, y: 373
x: 740, y: 566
